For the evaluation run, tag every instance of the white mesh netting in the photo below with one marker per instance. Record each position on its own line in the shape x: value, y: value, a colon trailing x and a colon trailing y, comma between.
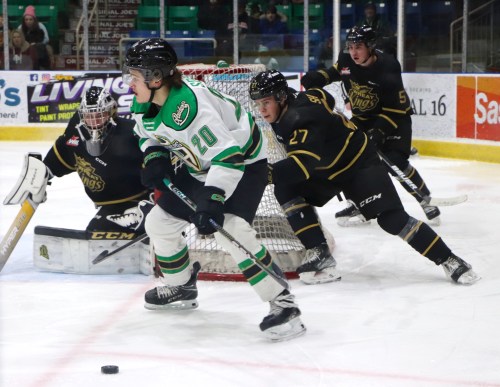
x: 270, y: 223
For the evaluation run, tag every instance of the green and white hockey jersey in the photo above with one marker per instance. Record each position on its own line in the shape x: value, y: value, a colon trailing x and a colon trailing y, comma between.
x: 209, y: 130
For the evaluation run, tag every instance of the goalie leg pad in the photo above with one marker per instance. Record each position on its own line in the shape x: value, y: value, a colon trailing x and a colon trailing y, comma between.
x: 72, y: 251
x: 33, y: 180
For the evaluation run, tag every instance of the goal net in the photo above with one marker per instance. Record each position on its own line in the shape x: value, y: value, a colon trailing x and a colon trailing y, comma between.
x: 270, y: 223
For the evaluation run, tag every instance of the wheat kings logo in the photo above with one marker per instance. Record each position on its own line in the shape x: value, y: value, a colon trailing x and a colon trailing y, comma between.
x: 362, y: 98
x: 88, y: 176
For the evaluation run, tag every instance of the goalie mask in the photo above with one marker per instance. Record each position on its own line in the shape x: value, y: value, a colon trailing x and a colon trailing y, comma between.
x: 96, y: 112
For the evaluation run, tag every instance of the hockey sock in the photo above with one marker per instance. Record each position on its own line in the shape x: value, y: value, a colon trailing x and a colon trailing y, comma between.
x: 415, y: 177
x: 304, y: 222
x: 423, y: 239
x: 251, y: 271
x: 174, y: 266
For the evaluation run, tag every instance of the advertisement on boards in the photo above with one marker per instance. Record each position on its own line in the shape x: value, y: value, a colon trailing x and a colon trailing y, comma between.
x: 433, y: 99
x: 53, y: 97
x: 13, y: 108
x: 58, y: 99
x: 478, y: 112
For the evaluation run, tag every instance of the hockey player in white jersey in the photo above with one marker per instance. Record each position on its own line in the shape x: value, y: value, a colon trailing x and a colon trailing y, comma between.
x: 224, y: 171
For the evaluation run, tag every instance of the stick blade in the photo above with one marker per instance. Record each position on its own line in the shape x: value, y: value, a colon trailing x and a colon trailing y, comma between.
x: 446, y: 202
x: 101, y: 257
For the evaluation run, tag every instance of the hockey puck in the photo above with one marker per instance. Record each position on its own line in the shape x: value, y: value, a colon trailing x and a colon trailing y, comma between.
x: 109, y: 369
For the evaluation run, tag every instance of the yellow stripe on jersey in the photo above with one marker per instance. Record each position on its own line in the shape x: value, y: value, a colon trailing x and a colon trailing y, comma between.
x: 301, y: 166
x: 389, y: 120
x: 397, y: 110
x: 331, y: 177
x: 346, y: 144
x: 56, y: 151
x: 304, y: 152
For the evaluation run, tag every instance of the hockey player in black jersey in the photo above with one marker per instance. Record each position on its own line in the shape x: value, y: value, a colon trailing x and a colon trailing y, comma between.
x: 379, y: 103
x: 326, y: 155
x: 102, y: 148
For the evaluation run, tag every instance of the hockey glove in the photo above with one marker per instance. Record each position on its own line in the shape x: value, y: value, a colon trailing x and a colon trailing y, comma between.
x: 377, y: 136
x: 209, y: 205
x: 157, y: 166
x: 313, y: 79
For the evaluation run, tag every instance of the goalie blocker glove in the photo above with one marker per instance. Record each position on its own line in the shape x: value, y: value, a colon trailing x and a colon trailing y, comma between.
x: 209, y: 205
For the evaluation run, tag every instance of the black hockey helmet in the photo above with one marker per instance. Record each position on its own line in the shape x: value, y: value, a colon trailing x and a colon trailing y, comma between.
x: 96, y: 113
x: 154, y: 58
x: 361, y: 34
x: 268, y: 83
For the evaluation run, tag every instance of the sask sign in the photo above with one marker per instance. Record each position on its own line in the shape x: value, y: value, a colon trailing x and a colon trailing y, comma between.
x: 478, y: 111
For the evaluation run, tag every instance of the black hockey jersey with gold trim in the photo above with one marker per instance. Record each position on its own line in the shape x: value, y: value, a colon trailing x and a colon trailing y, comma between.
x: 318, y: 140
x: 376, y: 93
x: 114, y: 176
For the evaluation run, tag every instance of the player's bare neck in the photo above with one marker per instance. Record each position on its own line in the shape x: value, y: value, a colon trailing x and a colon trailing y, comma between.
x: 161, y: 96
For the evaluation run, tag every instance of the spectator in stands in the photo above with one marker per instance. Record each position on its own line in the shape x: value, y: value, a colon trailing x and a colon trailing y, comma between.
x: 273, y: 23
x: 214, y: 15
x: 385, y: 38
x: 255, y: 11
x: 223, y: 24
x: 36, y: 34
x: 266, y: 59
x: 23, y: 56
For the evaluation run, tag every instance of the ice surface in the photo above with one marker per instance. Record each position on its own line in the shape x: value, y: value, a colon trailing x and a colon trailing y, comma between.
x: 393, y: 320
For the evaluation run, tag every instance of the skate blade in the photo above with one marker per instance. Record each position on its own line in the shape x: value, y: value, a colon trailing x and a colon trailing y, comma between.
x: 287, y: 331
x: 346, y: 221
x: 468, y: 278
x: 434, y: 222
x: 177, y: 305
x: 330, y: 274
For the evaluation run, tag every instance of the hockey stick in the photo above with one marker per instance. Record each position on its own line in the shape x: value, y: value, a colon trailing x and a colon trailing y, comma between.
x: 177, y: 192
x: 16, y: 230
x: 421, y: 197
x: 106, y: 253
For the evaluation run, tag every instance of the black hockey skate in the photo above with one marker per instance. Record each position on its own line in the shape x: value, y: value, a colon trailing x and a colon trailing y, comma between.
x: 350, y: 216
x: 431, y: 212
x: 283, y: 321
x: 318, y: 266
x: 459, y: 271
x: 174, y: 297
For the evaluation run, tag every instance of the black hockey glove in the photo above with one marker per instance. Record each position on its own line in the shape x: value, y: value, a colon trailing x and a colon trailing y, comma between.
x: 209, y: 205
x: 157, y: 167
x: 377, y: 136
x: 313, y: 79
